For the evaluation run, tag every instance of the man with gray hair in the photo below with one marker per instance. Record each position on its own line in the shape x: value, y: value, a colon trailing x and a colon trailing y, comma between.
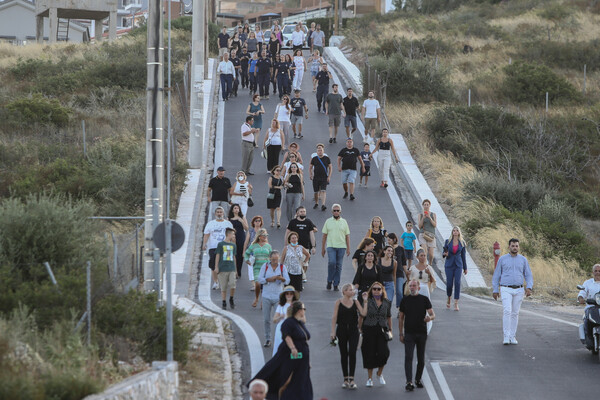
x: 258, y: 389
x: 273, y: 276
x: 415, y: 312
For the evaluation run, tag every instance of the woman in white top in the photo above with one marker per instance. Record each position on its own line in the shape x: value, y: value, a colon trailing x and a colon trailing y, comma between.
x: 315, y: 62
x: 386, y: 149
x: 286, y: 298
x: 241, y: 191
x: 300, y: 67
x: 260, y: 37
x: 421, y: 272
x: 283, y: 111
x: 293, y: 256
x: 273, y: 142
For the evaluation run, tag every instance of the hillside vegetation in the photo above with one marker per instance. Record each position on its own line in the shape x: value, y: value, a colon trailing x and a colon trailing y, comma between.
x: 503, y: 167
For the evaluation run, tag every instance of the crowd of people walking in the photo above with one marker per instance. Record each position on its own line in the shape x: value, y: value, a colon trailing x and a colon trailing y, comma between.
x: 393, y: 274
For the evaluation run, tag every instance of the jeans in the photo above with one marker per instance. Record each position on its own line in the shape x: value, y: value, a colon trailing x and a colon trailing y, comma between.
x: 253, y: 84
x: 335, y: 258
x: 410, y: 341
x: 293, y: 201
x: 399, y: 292
x: 268, y: 306
x: 453, y: 275
x: 389, y: 290
x: 511, y: 302
x: 226, y: 81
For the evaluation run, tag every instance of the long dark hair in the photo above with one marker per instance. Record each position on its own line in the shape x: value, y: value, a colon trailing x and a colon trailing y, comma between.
x: 231, y: 215
x: 287, y: 103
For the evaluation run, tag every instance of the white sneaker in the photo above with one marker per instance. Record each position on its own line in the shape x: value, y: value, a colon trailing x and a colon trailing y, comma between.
x: 506, y: 340
x: 381, y: 380
x: 215, y: 286
x: 513, y: 340
x: 369, y: 383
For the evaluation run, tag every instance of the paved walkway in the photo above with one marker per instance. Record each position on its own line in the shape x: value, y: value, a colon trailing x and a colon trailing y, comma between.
x: 465, y: 357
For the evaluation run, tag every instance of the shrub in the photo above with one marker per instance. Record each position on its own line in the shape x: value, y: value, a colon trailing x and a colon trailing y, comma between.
x: 571, y: 55
x: 37, y: 109
x: 412, y: 80
x: 528, y: 83
x: 557, y: 211
x: 134, y: 316
x: 427, y: 47
x: 586, y: 204
x: 515, y: 195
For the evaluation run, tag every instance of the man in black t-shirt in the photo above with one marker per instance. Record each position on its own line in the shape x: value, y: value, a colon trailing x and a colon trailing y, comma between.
x: 415, y: 312
x: 350, y: 103
x: 237, y: 64
x: 223, y: 42
x: 218, y: 192
x: 306, y: 230
x: 346, y: 160
x: 320, y: 173
x: 322, y: 78
x: 244, y: 58
x: 298, y: 109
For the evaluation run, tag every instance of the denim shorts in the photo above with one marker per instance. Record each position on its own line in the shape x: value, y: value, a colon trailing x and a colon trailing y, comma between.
x: 348, y: 175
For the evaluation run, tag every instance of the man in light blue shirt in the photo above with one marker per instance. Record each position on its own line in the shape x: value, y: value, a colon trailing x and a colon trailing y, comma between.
x: 512, y: 269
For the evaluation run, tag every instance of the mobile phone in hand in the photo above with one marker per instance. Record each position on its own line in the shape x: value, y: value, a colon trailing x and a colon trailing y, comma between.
x: 296, y: 358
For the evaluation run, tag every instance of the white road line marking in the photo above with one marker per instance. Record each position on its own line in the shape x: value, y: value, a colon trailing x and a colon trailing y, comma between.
x: 439, y: 375
x: 429, y: 386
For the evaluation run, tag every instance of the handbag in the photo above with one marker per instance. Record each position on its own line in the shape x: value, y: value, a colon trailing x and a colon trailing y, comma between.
x: 270, y: 196
x: 250, y: 202
x: 263, y: 153
x: 428, y: 236
x: 250, y: 266
x: 387, y: 333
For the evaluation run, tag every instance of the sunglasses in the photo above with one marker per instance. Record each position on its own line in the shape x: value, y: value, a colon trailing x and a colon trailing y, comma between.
x: 335, y: 210
x: 376, y: 289
x: 290, y: 293
x: 303, y: 308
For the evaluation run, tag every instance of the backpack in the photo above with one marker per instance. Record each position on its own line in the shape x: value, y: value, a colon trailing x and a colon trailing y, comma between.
x: 280, y: 269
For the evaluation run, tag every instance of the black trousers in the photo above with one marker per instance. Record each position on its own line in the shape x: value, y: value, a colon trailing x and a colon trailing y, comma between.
x: 348, y: 341
x: 263, y: 84
x: 244, y: 75
x: 322, y: 92
x: 273, y: 155
x: 410, y: 341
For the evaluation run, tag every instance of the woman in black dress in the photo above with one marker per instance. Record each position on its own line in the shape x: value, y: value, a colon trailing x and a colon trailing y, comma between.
x: 377, y: 319
x: 274, y: 196
x: 377, y: 233
x: 367, y: 273
x: 288, y: 372
x: 238, y: 220
x: 344, y: 326
x: 358, y: 258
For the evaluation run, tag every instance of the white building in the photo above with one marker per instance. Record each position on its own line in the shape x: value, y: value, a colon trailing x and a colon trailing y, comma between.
x: 18, y: 23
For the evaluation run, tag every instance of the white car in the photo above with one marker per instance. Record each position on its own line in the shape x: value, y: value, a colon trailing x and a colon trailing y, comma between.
x: 287, y: 35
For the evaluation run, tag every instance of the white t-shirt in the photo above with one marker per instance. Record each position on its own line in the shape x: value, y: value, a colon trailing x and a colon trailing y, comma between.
x: 371, y: 107
x: 274, y: 137
x: 216, y: 230
x: 591, y: 287
x: 299, y: 62
x: 298, y: 38
x: 250, y: 137
x: 283, y: 114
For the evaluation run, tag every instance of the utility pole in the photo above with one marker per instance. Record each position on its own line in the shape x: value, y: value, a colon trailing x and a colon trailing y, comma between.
x: 154, y: 145
x: 197, y: 133
x: 340, y: 10
x: 335, y: 18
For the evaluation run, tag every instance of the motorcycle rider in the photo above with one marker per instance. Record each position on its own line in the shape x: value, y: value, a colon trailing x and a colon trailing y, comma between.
x: 590, y: 288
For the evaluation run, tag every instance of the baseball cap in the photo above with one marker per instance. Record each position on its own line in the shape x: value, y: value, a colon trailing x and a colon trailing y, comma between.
x: 220, y: 169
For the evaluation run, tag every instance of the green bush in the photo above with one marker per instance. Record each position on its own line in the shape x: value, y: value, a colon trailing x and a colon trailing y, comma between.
x: 572, y: 55
x: 412, y: 80
x: 213, y: 34
x: 427, y: 47
x: 557, y: 211
x: 514, y: 195
x: 586, y: 204
x: 134, y: 316
x: 528, y: 83
x: 37, y: 109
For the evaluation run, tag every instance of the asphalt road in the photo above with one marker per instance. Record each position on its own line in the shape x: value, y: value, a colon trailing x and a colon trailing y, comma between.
x: 465, y: 355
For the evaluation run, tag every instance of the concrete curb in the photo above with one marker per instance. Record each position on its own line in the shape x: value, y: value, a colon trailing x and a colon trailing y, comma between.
x: 408, y: 170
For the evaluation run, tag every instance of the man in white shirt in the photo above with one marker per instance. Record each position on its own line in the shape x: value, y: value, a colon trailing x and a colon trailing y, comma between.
x: 371, y: 115
x: 590, y: 288
x: 226, y: 70
x: 248, y: 144
x: 214, y: 232
x: 298, y: 37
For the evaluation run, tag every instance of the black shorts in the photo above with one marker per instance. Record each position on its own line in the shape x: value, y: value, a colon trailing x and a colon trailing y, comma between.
x: 319, y: 185
x: 211, y: 258
x: 367, y: 171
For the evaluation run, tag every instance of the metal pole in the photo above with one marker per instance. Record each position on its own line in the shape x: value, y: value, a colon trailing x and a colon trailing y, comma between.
x: 89, y: 301
x: 335, y: 17
x: 115, y: 253
x: 509, y: 60
x: 137, y: 247
x: 52, y: 278
x: 340, y: 24
x: 84, y: 142
x: 197, y: 90
x: 154, y: 143
x: 167, y: 206
x: 584, y: 77
x: 546, y: 101
x: 469, y: 98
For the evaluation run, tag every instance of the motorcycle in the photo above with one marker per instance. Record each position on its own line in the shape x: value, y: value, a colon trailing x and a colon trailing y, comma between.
x: 591, y: 338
